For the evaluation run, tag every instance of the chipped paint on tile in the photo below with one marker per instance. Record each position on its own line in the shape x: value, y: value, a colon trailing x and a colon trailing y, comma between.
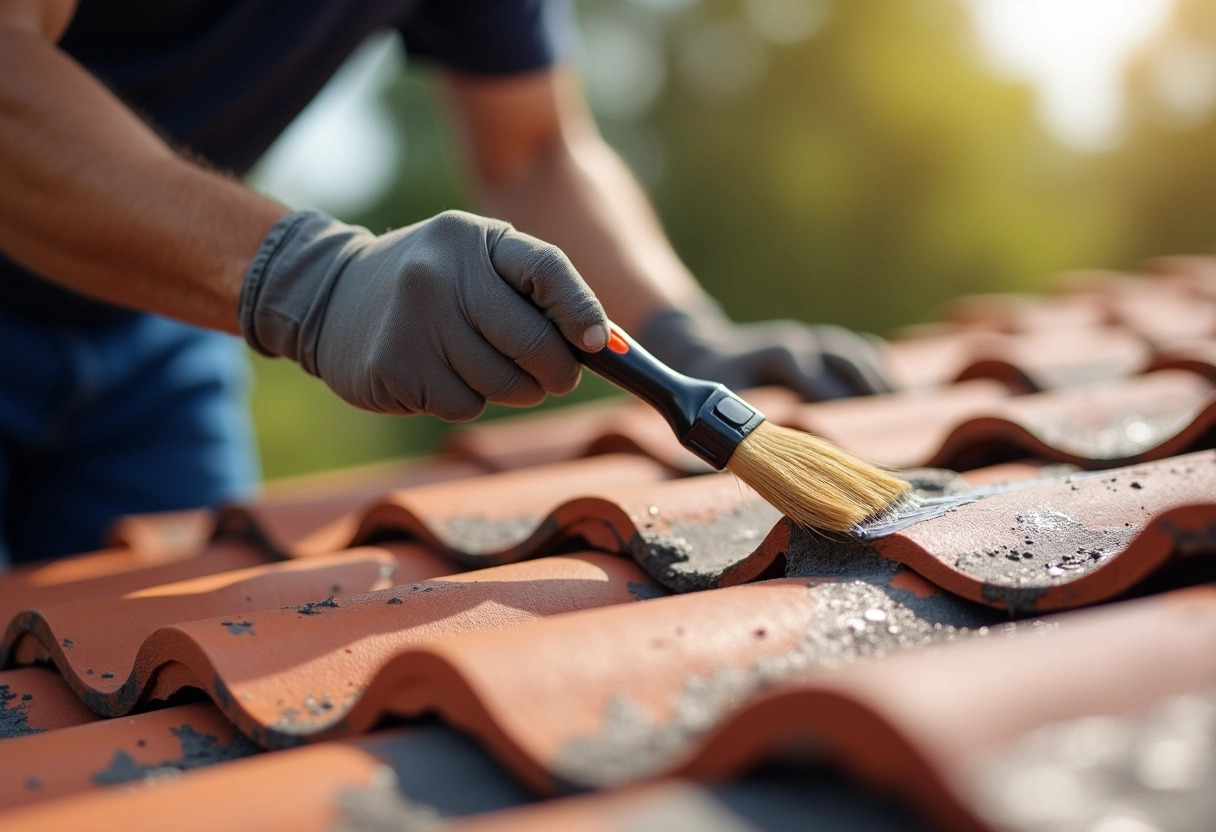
x: 239, y: 627
x: 198, y: 750
x: 14, y: 719
x: 314, y: 607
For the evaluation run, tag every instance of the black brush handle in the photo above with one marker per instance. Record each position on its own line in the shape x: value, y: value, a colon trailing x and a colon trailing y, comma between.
x: 707, y: 418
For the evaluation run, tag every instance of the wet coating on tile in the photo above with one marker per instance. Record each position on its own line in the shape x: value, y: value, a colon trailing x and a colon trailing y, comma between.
x: 1063, y: 543
x: 1044, y: 551
x: 1151, y: 771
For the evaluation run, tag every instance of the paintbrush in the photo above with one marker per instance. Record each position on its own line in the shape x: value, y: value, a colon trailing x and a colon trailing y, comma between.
x: 807, y: 478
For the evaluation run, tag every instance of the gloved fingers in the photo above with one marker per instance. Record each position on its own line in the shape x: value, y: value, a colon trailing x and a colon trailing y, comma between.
x: 857, y: 359
x: 522, y: 333
x: 792, y: 362
x: 494, y: 376
x: 817, y: 362
x: 543, y: 273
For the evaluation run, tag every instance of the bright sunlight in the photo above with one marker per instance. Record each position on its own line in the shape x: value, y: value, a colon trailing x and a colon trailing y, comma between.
x: 1074, y: 53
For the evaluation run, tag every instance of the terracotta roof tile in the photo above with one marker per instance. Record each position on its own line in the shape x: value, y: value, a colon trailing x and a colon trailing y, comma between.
x: 1014, y: 313
x: 216, y: 798
x: 95, y: 643
x: 294, y: 671
x: 1196, y: 356
x: 631, y: 667
x: 975, y: 423
x: 490, y: 514
x: 1031, y: 361
x: 163, y: 536
x: 414, y: 775
x: 1197, y: 274
x: 690, y: 533
x: 978, y: 422
x: 113, y: 572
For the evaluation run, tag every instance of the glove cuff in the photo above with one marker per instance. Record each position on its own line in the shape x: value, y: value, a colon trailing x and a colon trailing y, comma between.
x: 288, y: 283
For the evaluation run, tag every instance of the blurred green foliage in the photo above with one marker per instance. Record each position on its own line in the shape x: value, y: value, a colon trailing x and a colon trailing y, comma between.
x: 862, y: 176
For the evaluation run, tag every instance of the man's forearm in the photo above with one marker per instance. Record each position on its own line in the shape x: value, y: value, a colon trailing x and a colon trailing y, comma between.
x: 538, y: 162
x: 584, y: 200
x: 95, y: 201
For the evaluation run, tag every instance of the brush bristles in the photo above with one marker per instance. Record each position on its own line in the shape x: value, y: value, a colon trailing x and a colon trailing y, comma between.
x: 811, y: 481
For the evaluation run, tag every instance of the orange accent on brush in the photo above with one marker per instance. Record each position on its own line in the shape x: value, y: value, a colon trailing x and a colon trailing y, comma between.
x: 616, y: 343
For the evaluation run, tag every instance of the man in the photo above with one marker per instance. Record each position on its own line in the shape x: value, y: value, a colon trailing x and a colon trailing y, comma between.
x: 130, y: 248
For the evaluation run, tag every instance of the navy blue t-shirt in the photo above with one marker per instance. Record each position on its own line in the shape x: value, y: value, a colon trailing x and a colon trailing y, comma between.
x: 223, y: 78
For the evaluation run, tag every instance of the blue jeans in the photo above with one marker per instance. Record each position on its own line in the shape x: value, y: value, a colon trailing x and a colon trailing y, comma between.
x: 135, y: 414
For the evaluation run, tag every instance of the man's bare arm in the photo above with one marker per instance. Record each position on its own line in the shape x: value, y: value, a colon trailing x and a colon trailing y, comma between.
x: 94, y: 200
x: 537, y: 160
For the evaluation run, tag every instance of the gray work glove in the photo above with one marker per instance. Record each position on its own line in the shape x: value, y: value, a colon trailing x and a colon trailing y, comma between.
x: 438, y: 318
x: 817, y: 362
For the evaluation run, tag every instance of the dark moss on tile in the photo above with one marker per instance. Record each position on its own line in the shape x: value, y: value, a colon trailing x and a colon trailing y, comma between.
x: 692, y: 555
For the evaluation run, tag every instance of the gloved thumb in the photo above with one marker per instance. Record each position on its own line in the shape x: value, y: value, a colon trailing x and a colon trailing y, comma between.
x: 544, y: 274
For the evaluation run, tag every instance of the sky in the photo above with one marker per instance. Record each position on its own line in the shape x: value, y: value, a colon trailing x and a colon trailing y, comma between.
x: 1071, y: 52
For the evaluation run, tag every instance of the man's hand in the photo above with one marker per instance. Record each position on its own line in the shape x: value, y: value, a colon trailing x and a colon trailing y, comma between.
x: 818, y: 362
x: 438, y: 318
